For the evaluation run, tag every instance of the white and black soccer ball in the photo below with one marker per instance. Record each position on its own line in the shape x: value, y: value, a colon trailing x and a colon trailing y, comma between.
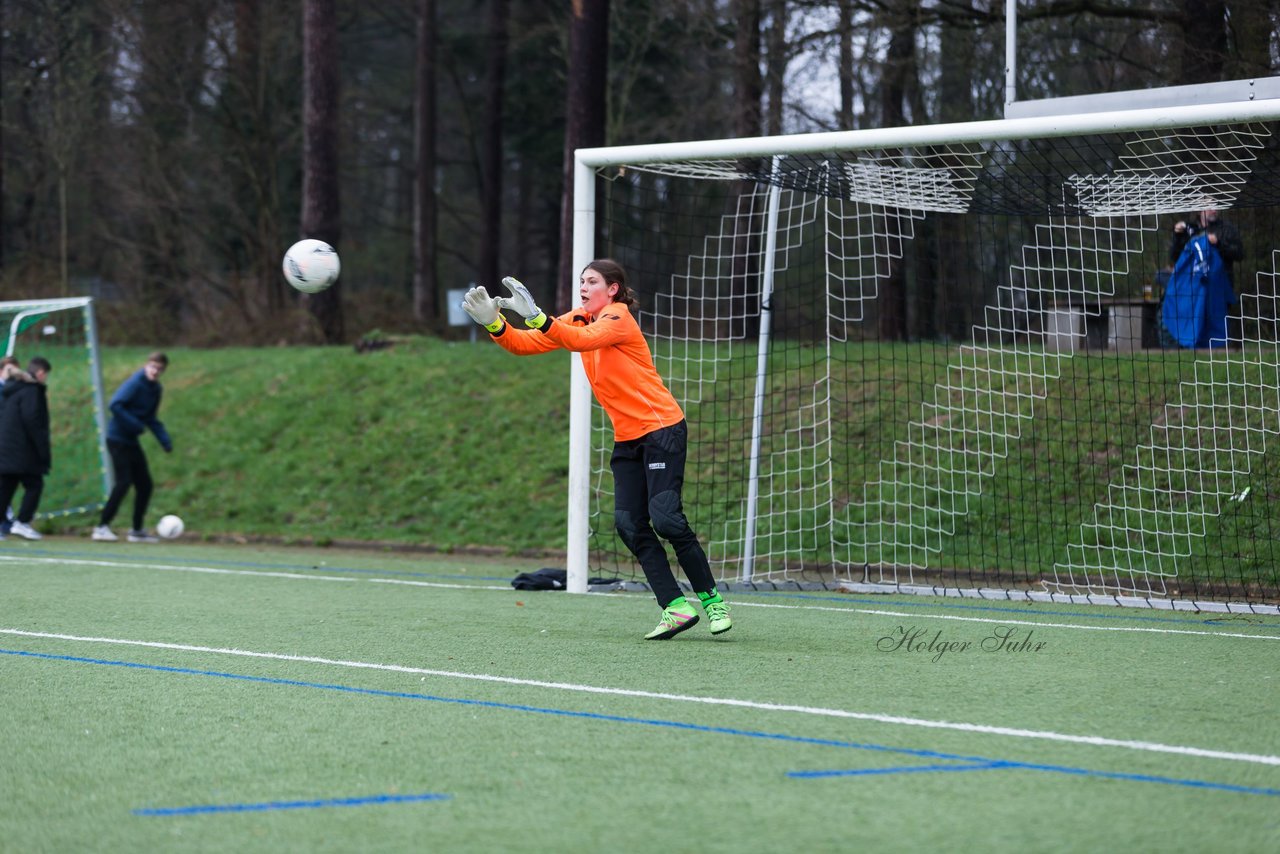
x: 311, y: 266
x: 170, y: 527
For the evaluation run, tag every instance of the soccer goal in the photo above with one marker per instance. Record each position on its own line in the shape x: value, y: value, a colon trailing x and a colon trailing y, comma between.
x: 935, y: 358
x: 63, y: 331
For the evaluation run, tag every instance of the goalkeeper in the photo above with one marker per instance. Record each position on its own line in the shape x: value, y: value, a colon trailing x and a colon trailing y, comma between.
x: 649, y: 429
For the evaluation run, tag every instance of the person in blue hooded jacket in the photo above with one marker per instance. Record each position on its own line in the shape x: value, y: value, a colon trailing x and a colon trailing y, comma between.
x: 1198, y: 297
x: 1200, y: 292
x: 133, y: 411
x: 1221, y: 235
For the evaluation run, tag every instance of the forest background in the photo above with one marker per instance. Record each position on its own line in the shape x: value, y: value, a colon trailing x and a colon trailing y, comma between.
x: 159, y: 156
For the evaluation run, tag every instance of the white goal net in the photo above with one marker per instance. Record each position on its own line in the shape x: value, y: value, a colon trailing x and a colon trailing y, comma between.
x: 943, y: 361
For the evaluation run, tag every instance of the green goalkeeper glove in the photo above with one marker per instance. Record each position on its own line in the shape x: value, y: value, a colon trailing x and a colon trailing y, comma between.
x: 521, y: 302
x: 483, y: 309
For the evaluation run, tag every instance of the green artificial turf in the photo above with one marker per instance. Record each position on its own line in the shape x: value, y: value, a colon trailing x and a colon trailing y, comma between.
x: 544, y: 723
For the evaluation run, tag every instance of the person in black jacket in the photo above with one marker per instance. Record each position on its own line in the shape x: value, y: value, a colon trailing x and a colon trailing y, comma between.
x: 6, y: 515
x: 133, y: 411
x: 25, y: 456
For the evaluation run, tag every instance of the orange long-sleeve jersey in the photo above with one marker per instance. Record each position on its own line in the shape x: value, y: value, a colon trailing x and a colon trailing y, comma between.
x: 617, y: 361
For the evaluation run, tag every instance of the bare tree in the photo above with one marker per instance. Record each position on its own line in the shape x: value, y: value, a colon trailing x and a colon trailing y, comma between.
x: 1204, y: 40
x: 261, y: 165
x: 321, y: 209
x: 3, y: 24
x: 425, y: 282
x: 956, y: 69
x: 777, y: 57
x: 896, y: 94
x: 748, y: 83
x: 941, y: 285
x: 585, y: 120
x: 844, y: 118
x: 491, y: 146
x: 256, y: 154
x: 1252, y: 31
x: 153, y: 190
x: 747, y: 95
x: 177, y: 175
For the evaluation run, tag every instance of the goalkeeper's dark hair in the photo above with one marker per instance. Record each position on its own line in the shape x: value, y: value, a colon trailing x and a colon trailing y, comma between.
x: 613, y: 274
x: 38, y: 363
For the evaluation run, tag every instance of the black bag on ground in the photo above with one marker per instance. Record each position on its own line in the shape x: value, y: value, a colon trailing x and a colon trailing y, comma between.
x: 550, y: 578
x: 546, y: 578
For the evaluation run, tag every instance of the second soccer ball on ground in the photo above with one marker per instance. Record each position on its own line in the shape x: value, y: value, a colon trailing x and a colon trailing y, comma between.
x: 170, y: 527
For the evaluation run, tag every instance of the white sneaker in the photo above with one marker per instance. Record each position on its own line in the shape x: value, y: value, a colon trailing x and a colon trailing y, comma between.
x: 22, y: 529
x: 139, y: 536
x: 105, y: 534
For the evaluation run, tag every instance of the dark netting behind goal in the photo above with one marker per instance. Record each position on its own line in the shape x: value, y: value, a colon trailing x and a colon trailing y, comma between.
x: 966, y: 366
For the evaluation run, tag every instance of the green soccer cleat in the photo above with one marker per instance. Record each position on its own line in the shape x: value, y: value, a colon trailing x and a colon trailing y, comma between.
x: 718, y: 616
x: 676, y: 617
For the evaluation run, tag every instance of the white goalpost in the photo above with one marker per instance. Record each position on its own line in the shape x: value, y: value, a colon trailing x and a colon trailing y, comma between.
x: 64, y: 332
x: 920, y: 359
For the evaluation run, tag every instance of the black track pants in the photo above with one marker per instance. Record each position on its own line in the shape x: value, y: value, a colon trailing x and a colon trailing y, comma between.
x: 130, y: 465
x: 648, y: 475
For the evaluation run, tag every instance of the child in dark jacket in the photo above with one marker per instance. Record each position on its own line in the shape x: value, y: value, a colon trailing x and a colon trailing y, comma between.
x: 25, y: 456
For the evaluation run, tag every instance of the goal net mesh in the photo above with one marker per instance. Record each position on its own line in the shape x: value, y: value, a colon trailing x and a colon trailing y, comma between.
x: 947, y: 366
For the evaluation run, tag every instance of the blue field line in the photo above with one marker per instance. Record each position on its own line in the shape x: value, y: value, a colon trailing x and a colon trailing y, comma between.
x: 291, y: 805
x: 1225, y: 619
x: 654, y: 722
x: 1148, y: 778
x: 1032, y: 766
x: 900, y: 769
x: 281, y: 567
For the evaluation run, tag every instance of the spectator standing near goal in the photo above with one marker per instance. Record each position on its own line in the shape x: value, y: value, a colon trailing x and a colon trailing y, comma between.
x: 133, y: 411
x: 1222, y: 236
x: 1210, y: 325
x: 25, y: 454
x: 6, y: 362
x: 650, y: 433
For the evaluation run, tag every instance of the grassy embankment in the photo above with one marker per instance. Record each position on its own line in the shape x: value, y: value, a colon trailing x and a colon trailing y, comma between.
x: 427, y: 443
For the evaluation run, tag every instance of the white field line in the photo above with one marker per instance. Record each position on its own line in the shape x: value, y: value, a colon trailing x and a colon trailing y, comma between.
x: 212, y: 570
x: 737, y: 603
x: 1098, y: 741
x: 1014, y: 622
